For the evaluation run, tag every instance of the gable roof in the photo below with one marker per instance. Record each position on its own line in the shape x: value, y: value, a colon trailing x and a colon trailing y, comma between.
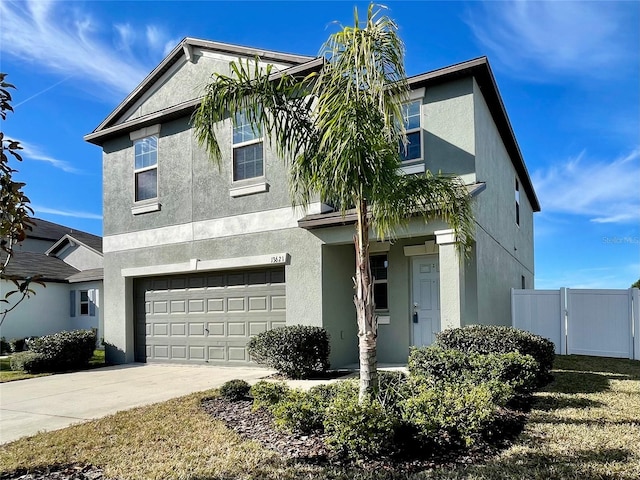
x: 185, y: 49
x: 45, y: 230
x: 82, y: 238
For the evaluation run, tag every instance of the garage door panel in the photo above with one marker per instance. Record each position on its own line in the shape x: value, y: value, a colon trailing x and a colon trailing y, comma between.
x: 206, y: 317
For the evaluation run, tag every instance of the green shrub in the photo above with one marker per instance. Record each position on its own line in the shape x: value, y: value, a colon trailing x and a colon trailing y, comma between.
x: 18, y: 344
x: 5, y: 348
x: 452, y: 412
x: 300, y: 412
x: 30, y: 362
x: 267, y: 394
x: 498, y: 339
x: 297, y: 351
x: 359, y: 430
x: 65, y: 350
x: 518, y: 371
x: 393, y: 388
x: 234, y: 389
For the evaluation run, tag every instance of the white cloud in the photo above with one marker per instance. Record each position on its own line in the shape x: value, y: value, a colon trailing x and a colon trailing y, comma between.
x: 66, y: 213
x: 591, y: 278
x: 603, y: 191
x: 32, y: 152
x: 542, y: 38
x: 59, y: 37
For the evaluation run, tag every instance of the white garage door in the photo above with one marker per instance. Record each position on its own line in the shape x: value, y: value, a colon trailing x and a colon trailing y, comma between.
x: 206, y: 317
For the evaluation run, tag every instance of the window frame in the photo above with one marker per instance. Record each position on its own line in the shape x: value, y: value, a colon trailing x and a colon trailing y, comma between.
x: 145, y: 168
x: 86, y: 303
x: 377, y: 281
x: 409, y: 131
x: 236, y: 146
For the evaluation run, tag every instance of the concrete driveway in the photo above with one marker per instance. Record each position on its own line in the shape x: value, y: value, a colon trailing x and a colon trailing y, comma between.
x: 57, y: 401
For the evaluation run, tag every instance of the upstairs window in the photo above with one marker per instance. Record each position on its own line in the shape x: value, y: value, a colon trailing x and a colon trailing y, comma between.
x: 411, y: 119
x: 146, y: 168
x: 517, y: 203
x: 248, y: 161
x: 379, y: 264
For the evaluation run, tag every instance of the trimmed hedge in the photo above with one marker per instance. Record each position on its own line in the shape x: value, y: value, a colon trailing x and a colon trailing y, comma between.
x: 62, y: 351
x: 268, y: 394
x: 518, y: 371
x: 296, y: 351
x: 487, y: 339
x: 30, y: 362
x: 235, y: 389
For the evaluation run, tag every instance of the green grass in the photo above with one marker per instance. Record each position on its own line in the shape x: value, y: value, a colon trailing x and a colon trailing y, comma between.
x: 585, y: 425
x: 8, y: 375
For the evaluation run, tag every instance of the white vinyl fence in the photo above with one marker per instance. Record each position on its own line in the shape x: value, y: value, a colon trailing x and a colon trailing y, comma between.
x: 603, y: 323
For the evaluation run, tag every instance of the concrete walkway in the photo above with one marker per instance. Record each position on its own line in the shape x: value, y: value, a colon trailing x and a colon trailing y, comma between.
x: 57, y: 401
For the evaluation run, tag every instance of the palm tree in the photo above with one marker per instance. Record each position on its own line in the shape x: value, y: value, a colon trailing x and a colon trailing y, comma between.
x: 340, y: 131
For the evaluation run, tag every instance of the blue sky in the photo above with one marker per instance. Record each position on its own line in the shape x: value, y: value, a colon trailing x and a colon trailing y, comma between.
x: 568, y: 72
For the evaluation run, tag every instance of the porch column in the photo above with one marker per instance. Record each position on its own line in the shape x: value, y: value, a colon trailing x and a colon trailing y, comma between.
x: 452, y: 285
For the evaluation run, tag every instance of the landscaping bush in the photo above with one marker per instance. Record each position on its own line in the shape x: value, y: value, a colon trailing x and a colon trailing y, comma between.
x: 65, y: 350
x: 18, y: 344
x: 452, y: 412
x: 268, y: 394
x: 234, y: 389
x: 487, y: 339
x: 300, y: 412
x: 30, y: 362
x: 297, y: 351
x: 359, y: 430
x: 5, y: 348
x: 517, y: 370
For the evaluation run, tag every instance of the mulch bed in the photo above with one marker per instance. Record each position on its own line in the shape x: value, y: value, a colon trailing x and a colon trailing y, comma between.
x: 58, y: 472
x: 258, y: 425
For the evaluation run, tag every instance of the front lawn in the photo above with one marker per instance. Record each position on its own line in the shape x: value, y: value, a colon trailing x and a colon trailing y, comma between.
x: 8, y: 375
x: 584, y: 425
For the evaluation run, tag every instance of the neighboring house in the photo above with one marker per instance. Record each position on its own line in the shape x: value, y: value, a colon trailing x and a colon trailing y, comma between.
x: 69, y: 262
x: 199, y: 258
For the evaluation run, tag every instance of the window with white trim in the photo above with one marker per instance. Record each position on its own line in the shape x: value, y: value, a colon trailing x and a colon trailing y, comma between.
x: 411, y: 118
x: 146, y: 168
x: 248, y: 159
x: 379, y: 264
x: 84, y: 302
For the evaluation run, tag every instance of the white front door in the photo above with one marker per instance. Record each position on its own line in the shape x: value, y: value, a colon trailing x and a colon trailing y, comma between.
x: 425, y: 299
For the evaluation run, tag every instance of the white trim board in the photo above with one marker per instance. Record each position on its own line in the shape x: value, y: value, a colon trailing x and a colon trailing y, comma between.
x: 256, y: 222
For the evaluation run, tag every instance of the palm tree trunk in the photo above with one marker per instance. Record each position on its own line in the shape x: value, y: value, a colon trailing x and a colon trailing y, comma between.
x: 363, y: 299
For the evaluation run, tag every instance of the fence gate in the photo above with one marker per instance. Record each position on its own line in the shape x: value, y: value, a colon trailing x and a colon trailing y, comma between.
x: 602, y: 323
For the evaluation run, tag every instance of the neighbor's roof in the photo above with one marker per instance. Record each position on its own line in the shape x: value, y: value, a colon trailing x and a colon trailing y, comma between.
x: 87, y: 275
x: 30, y: 264
x: 45, y: 230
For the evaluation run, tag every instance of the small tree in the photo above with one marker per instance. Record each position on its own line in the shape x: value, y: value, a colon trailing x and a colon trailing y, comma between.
x: 340, y: 130
x: 15, y: 211
x: 636, y: 284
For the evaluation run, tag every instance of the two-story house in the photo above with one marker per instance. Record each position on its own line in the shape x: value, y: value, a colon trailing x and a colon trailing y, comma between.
x: 197, y: 258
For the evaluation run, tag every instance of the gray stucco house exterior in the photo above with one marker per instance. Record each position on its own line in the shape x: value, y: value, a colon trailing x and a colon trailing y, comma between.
x: 198, y: 259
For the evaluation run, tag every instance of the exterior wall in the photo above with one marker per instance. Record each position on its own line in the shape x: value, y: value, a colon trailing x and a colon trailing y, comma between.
x: 182, y: 82
x: 44, y: 313
x: 48, y: 311
x: 96, y: 320
x: 504, y: 250
x: 448, y: 121
x: 81, y: 257
x: 338, y: 311
x: 304, y: 305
